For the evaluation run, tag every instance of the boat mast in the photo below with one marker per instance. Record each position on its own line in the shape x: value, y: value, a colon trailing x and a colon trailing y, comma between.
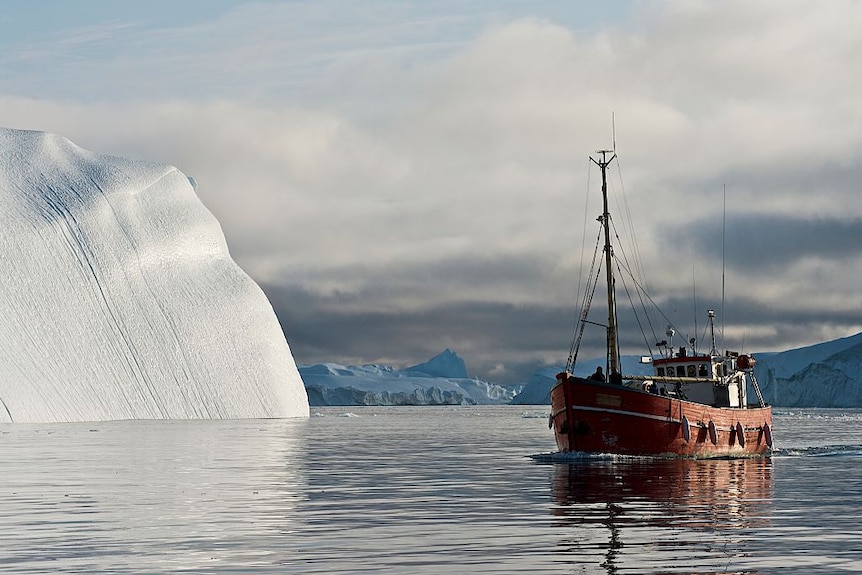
x: 613, y: 356
x: 711, y: 313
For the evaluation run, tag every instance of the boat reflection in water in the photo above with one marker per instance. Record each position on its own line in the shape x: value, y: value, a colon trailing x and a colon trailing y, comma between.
x: 662, y: 515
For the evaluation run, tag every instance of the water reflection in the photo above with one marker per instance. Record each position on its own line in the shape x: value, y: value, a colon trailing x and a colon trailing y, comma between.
x: 663, y: 515
x: 149, y: 496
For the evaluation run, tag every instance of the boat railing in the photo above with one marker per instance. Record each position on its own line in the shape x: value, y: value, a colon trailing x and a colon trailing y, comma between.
x: 757, y: 390
x: 670, y: 379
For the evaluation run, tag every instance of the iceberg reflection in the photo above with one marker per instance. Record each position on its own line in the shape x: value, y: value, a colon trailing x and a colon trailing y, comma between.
x: 151, y: 496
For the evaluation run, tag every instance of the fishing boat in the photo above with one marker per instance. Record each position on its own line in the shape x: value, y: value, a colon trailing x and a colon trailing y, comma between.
x: 693, y: 404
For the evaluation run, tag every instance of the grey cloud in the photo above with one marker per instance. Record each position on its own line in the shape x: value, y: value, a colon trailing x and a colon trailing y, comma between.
x: 522, y: 338
x: 486, y: 334
x: 767, y: 243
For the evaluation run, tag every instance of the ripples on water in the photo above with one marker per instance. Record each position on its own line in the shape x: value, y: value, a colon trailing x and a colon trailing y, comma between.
x: 418, y: 490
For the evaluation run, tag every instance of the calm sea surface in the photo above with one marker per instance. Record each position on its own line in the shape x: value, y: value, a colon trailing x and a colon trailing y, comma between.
x: 418, y: 490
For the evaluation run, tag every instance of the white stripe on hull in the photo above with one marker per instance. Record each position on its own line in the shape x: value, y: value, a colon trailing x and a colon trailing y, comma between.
x: 663, y: 418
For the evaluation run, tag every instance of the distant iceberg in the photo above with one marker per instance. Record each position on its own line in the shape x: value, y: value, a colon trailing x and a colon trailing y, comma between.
x: 446, y: 364
x: 120, y: 299
x: 443, y: 380
x: 827, y: 374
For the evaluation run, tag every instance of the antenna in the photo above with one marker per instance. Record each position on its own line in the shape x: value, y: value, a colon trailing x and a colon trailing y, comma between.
x: 694, y: 303
x: 723, y: 234
x: 614, y: 130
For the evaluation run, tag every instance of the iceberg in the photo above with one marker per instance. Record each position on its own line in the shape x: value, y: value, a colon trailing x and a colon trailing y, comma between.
x: 120, y: 299
x: 827, y: 374
x: 446, y: 364
x: 443, y: 380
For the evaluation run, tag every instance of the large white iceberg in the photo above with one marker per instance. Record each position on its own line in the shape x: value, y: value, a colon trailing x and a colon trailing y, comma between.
x: 119, y: 298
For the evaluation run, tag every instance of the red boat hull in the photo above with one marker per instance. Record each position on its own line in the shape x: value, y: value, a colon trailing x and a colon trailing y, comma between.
x: 595, y: 417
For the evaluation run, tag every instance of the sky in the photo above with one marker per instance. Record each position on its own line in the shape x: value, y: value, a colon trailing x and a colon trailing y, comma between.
x: 405, y: 177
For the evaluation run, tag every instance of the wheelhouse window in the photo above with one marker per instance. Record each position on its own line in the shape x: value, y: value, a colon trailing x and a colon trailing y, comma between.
x: 702, y: 371
x: 659, y: 371
x: 691, y: 370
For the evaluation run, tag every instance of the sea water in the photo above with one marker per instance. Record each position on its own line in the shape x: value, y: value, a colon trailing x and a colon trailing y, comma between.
x: 419, y: 490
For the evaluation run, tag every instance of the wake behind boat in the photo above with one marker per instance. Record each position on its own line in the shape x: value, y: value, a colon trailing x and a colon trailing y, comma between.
x: 693, y: 405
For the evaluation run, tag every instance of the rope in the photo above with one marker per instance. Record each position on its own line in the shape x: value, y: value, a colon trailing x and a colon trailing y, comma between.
x: 634, y: 309
x: 640, y: 291
x: 655, y: 305
x: 578, y: 327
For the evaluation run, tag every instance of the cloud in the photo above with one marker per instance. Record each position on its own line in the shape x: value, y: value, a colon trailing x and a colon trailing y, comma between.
x: 320, y: 327
x: 417, y: 179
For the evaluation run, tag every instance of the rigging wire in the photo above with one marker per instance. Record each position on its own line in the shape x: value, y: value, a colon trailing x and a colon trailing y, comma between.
x: 580, y: 320
x: 581, y: 283
x: 576, y: 345
x: 632, y: 304
x: 584, y: 231
x: 646, y: 294
x: 703, y: 333
x: 629, y: 260
x: 628, y: 223
x: 641, y: 291
x: 634, y: 268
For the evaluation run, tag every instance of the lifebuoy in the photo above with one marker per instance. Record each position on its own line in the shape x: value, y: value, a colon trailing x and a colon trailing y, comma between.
x: 740, y: 434
x: 713, y: 434
x: 767, y: 432
x: 686, y: 429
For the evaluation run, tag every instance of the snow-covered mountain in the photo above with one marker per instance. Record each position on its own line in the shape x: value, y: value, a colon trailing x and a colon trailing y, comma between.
x: 120, y: 300
x: 442, y: 380
x: 827, y: 374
